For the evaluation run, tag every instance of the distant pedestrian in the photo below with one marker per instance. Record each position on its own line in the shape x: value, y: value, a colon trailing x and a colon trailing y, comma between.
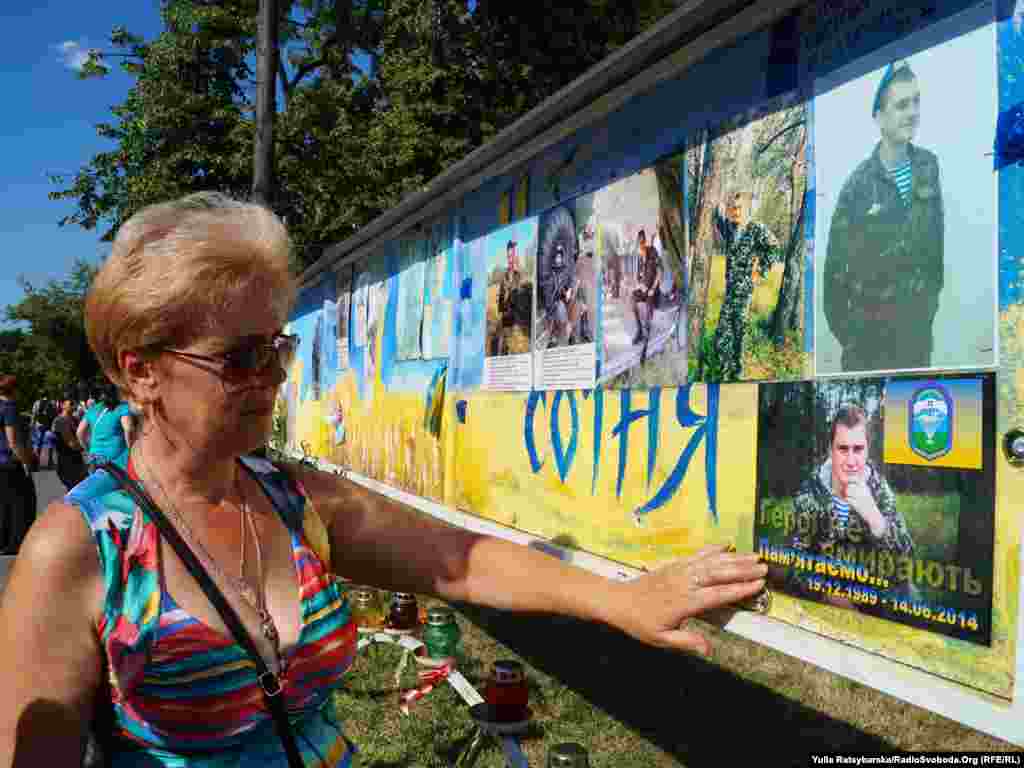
x: 17, y: 491
x: 71, y: 467
x: 107, y: 429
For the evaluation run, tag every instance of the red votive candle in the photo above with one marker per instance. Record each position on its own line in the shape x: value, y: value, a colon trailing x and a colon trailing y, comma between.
x: 507, y: 693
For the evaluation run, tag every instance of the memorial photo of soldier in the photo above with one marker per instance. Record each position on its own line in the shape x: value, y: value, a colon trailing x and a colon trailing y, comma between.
x: 747, y: 198
x: 343, y: 307
x: 316, y: 369
x: 510, y: 253
x: 907, y: 216
x: 566, y: 279
x: 637, y: 229
x: 837, y: 525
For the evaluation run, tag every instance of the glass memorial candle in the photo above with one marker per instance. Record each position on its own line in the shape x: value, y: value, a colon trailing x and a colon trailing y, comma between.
x: 366, y: 609
x: 507, y: 693
x: 441, y: 635
x: 405, y: 613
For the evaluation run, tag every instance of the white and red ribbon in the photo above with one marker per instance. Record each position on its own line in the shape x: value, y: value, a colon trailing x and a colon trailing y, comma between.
x: 428, y: 679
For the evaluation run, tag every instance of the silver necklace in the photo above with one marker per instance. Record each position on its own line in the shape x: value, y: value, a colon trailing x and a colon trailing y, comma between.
x: 255, y: 598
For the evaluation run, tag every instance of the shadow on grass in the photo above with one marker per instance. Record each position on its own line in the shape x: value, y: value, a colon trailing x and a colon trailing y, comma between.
x: 693, y: 710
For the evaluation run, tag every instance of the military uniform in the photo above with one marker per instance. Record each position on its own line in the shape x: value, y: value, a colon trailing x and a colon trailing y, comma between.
x: 555, y: 289
x: 884, y: 266
x: 649, y: 292
x: 752, y: 247
x: 821, y: 531
x: 508, y: 305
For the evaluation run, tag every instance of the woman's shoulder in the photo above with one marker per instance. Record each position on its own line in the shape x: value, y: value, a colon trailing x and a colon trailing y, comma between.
x: 60, y: 548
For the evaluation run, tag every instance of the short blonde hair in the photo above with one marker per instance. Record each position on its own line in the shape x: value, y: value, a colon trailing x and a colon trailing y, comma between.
x: 175, y: 267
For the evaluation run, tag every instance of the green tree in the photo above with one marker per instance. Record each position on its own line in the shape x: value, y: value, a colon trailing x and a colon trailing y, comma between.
x: 379, y: 97
x: 182, y: 127
x: 53, y: 356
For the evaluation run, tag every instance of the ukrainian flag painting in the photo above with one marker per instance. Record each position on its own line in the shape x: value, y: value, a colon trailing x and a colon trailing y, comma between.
x: 934, y: 422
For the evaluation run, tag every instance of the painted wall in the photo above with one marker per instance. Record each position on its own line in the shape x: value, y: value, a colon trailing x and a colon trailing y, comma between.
x: 640, y: 475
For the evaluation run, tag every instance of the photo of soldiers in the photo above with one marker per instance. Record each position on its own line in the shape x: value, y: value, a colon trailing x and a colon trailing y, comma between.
x: 751, y: 250
x: 838, y: 523
x: 648, y: 294
x: 637, y: 227
x: 515, y: 304
x: 509, y: 260
x: 846, y: 501
x: 565, y: 284
x: 343, y: 307
x: 315, y: 368
x: 907, y: 217
x: 884, y: 265
x: 747, y: 205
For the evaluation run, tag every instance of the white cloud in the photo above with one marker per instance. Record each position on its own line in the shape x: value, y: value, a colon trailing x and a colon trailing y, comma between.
x: 72, y: 54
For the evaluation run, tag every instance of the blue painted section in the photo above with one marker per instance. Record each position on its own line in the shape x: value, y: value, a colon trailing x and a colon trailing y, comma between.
x: 1010, y: 146
x: 308, y: 310
x: 564, y: 456
x: 470, y: 314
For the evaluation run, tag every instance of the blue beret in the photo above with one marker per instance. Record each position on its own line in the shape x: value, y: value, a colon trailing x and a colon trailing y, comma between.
x: 882, y: 86
x: 886, y: 80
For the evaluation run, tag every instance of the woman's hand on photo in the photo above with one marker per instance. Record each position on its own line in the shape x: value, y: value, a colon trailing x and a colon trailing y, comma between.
x: 656, y: 605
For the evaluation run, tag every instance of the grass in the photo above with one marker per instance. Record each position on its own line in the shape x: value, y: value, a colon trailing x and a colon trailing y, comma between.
x: 637, y: 707
x: 439, y: 726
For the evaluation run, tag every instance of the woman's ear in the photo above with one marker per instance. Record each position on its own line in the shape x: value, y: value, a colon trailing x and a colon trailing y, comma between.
x: 140, y: 376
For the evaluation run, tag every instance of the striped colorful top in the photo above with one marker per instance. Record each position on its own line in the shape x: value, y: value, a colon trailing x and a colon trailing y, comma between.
x: 186, y: 694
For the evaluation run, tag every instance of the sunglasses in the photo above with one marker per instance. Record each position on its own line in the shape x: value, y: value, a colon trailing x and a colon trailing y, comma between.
x: 245, y: 362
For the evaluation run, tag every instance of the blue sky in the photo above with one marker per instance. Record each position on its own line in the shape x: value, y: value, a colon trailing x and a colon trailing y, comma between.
x: 48, y: 126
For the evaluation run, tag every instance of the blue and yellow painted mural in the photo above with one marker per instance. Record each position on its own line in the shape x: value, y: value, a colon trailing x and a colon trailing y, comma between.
x: 638, y: 475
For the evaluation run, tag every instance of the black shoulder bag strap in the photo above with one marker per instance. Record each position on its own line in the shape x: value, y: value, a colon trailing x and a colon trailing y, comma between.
x: 268, y: 681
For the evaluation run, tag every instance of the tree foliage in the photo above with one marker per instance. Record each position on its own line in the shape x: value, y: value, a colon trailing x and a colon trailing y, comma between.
x: 52, y: 356
x: 379, y: 97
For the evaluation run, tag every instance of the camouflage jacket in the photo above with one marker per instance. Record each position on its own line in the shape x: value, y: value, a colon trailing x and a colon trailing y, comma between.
x: 820, y: 531
x: 554, y: 286
x: 748, y: 248
x: 510, y: 283
x: 883, y: 251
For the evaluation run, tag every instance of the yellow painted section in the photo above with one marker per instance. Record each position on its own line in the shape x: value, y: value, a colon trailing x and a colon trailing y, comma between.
x: 482, y: 466
x: 493, y: 476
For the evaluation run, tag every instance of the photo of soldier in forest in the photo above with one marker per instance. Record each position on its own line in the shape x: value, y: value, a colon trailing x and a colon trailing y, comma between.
x: 747, y: 206
x: 830, y: 497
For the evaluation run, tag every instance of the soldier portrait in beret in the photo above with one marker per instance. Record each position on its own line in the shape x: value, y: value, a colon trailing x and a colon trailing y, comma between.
x: 884, y: 260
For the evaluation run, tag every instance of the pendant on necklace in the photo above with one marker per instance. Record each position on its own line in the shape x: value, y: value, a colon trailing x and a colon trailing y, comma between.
x: 269, y: 630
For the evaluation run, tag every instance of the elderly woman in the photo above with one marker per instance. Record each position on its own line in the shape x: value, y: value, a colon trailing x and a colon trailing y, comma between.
x: 100, y: 614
